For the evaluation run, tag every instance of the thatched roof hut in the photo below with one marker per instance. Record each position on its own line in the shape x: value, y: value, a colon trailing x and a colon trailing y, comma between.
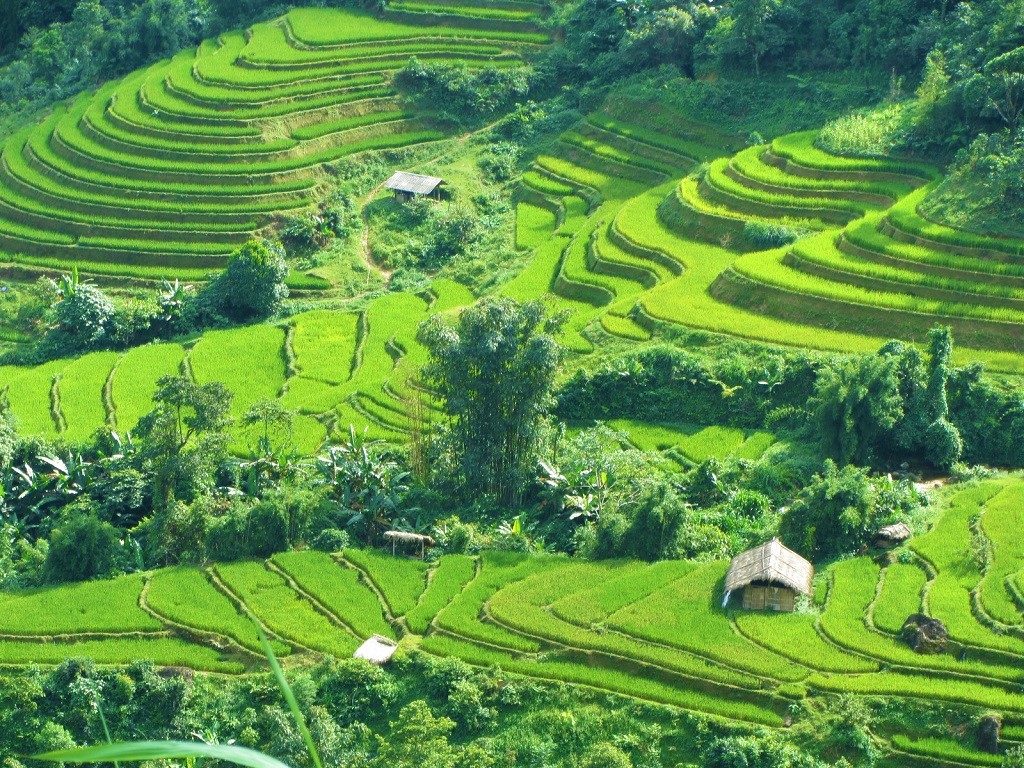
x: 892, y: 535
x: 405, y: 537
x: 771, y: 576
x: 376, y: 650
x: 407, y: 185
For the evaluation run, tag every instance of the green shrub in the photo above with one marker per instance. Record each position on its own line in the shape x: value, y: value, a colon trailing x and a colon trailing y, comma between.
x: 252, y: 287
x: 266, y: 530
x: 499, y: 160
x: 81, y: 317
x: 871, y: 133
x: 82, y: 547
x: 835, y: 513
x: 764, y: 235
x: 330, y: 540
x: 225, y: 537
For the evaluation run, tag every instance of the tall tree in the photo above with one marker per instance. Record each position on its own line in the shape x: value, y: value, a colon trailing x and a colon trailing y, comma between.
x: 184, y: 434
x: 494, y: 371
x: 857, y: 403
x: 943, y: 444
x: 753, y: 29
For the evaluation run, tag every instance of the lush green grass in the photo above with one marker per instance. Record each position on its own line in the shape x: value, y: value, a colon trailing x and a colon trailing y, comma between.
x: 825, y: 253
x: 338, y: 588
x: 607, y: 679
x: 625, y: 586
x: 920, y: 686
x: 866, y: 234
x: 162, y: 651
x: 29, y: 395
x: 695, y: 623
x: 451, y: 574
x: 750, y: 164
x: 185, y: 596
x: 135, y: 379
x: 948, y: 548
x: 771, y: 267
x: 324, y: 343
x: 902, y: 586
x: 336, y: 26
x: 695, y: 442
x: 462, y: 615
x: 534, y: 225
x: 793, y: 635
x: 801, y: 149
x: 249, y: 361
x: 523, y: 606
x: 1002, y: 524
x: 283, y: 611
x: 400, y: 580
x: 852, y: 590
x: 905, y: 216
x: 80, y: 390
x: 944, y: 749
x: 107, y: 606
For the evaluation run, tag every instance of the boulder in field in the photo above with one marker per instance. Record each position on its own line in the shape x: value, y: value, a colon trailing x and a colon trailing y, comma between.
x: 925, y: 634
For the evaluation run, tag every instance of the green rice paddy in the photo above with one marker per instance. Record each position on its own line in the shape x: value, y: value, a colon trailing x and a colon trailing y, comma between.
x: 656, y: 632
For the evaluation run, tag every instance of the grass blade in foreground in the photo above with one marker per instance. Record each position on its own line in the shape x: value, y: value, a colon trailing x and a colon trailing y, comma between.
x: 162, y: 750
x: 293, y: 705
x: 167, y: 750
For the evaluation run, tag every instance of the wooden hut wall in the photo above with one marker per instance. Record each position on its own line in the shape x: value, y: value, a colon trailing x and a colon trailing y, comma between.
x: 767, y: 597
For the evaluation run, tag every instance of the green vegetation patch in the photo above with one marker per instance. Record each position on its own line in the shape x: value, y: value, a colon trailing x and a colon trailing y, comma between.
x: 186, y: 596
x: 106, y: 606
x: 283, y: 611
x: 337, y: 588
x: 400, y: 580
x: 448, y: 578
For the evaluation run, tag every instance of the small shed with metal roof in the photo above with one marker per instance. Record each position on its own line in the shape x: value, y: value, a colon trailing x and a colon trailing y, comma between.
x: 407, y: 185
x: 770, y: 577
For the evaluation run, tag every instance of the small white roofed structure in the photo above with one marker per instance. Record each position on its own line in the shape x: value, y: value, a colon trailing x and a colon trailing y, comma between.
x: 376, y: 650
x: 770, y: 576
x: 407, y: 185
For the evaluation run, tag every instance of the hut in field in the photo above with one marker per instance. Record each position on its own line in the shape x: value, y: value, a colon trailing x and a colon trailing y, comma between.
x: 377, y: 650
x: 770, y: 576
x: 891, y: 535
x: 404, y: 537
x: 407, y: 186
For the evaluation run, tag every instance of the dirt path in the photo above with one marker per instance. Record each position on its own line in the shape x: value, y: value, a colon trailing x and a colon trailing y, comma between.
x: 364, y: 238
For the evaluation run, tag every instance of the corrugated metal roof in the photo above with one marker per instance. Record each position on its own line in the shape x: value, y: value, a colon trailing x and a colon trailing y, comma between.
x: 772, y: 563
x: 413, y: 183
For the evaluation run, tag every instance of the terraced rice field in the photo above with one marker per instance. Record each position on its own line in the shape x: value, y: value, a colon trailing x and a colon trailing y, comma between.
x: 336, y: 369
x: 659, y: 244
x: 627, y: 237
x: 165, y: 172
x: 655, y: 632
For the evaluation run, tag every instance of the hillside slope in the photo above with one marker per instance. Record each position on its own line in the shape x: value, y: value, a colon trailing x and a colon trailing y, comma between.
x: 651, y: 631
